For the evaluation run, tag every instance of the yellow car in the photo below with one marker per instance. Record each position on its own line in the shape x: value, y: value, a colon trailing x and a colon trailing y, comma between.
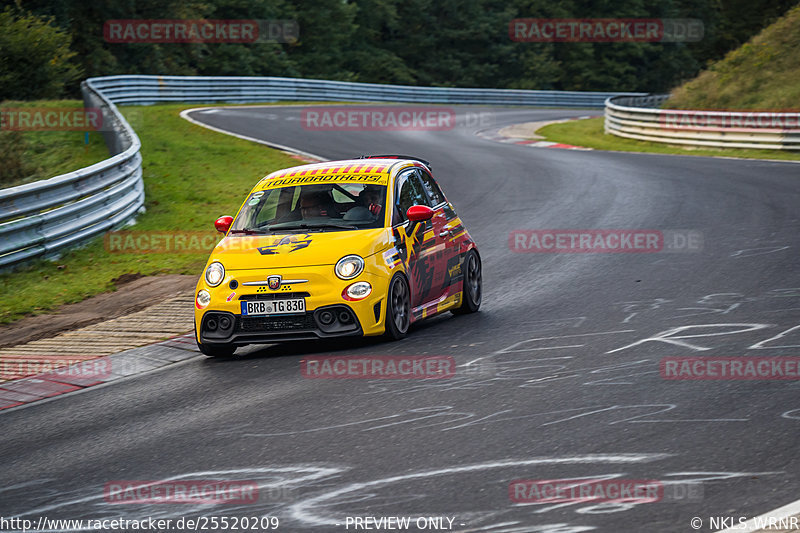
x: 358, y: 247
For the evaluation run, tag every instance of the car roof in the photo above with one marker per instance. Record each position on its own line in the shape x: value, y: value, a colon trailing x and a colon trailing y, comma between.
x: 382, y: 168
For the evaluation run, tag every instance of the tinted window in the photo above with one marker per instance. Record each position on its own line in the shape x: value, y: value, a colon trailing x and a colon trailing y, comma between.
x: 433, y: 190
x: 411, y: 192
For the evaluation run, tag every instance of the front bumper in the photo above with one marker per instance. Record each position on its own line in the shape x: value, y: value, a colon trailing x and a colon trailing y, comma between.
x: 327, y: 314
x: 324, y: 322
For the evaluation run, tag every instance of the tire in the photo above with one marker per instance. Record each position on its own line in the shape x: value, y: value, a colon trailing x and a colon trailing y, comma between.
x: 472, y: 292
x: 219, y: 350
x: 398, y: 308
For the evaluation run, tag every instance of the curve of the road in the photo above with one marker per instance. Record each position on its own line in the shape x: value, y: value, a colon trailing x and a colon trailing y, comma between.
x: 564, y: 381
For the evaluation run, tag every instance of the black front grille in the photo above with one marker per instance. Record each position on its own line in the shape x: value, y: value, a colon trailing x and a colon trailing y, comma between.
x: 276, y: 323
x: 274, y: 296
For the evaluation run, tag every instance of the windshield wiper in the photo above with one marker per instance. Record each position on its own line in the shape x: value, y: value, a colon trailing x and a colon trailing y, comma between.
x: 248, y: 231
x: 320, y: 226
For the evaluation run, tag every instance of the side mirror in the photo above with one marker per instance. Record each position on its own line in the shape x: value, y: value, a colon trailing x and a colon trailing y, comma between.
x: 419, y: 213
x: 223, y: 224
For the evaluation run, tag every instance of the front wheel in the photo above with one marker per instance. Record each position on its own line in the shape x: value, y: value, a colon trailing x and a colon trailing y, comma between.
x: 472, y: 291
x: 398, y: 308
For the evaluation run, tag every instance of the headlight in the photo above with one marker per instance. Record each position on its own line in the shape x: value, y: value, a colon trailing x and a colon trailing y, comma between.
x: 349, y: 266
x: 357, y: 291
x: 215, y: 273
x: 203, y: 299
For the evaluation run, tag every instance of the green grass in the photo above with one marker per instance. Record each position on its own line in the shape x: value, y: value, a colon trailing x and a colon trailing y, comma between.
x: 192, y: 175
x: 762, y: 74
x: 44, y: 154
x: 589, y: 133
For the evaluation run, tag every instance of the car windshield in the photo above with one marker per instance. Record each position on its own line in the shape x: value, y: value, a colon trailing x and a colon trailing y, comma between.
x: 328, y: 207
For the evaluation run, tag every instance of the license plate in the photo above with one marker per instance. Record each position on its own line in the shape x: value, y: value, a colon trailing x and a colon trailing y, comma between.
x: 273, y: 307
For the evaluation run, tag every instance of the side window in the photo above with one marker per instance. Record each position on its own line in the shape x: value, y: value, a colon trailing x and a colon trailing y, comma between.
x: 409, y: 192
x: 431, y: 187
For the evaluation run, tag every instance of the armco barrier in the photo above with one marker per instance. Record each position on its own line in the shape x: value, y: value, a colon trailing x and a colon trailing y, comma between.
x: 40, y: 219
x: 133, y: 90
x: 638, y: 117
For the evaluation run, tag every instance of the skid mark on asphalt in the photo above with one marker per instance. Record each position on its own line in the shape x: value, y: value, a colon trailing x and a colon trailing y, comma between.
x: 316, y: 495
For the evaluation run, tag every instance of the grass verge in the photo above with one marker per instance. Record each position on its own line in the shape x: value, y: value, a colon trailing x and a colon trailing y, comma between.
x: 28, y: 156
x: 761, y: 74
x: 590, y: 134
x: 192, y: 175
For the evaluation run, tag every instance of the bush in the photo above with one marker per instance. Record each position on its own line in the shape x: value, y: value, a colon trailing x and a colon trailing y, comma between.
x: 34, y: 57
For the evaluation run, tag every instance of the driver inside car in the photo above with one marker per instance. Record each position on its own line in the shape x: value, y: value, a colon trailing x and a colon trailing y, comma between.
x: 370, y: 198
x: 315, y: 204
x: 367, y: 205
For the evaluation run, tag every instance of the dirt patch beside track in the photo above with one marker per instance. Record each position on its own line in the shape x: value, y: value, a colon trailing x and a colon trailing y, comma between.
x: 129, y: 298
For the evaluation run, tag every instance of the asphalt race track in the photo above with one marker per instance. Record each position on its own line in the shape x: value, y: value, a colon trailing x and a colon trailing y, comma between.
x: 565, y: 380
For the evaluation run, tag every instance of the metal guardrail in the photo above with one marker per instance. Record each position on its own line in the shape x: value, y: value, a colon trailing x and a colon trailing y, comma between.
x: 40, y: 219
x: 134, y: 90
x: 639, y: 117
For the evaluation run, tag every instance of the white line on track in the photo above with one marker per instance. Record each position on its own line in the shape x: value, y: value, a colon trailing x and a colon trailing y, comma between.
x: 289, y: 149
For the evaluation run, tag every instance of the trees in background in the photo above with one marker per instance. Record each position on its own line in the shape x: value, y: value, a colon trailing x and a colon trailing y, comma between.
x: 414, y: 42
x: 35, y: 57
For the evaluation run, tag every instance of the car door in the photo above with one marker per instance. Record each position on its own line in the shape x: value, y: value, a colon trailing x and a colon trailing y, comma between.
x: 446, y: 226
x: 415, y: 242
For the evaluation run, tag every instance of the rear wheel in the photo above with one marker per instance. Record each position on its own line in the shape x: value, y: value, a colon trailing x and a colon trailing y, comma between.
x: 398, y: 308
x: 472, y: 292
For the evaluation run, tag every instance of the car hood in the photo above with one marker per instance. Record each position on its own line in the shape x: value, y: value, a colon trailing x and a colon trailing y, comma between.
x: 240, y: 252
